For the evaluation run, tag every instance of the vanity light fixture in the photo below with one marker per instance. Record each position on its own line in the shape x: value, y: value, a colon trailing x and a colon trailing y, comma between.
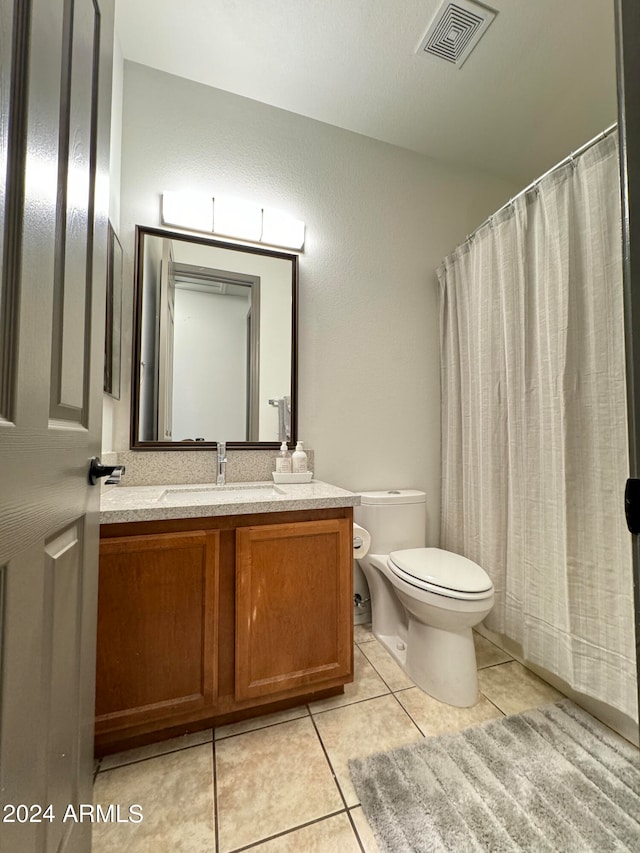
x: 235, y: 218
x: 280, y: 229
x: 230, y: 217
x: 188, y: 210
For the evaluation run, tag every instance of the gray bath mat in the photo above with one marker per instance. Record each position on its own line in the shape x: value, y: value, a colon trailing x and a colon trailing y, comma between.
x: 551, y: 779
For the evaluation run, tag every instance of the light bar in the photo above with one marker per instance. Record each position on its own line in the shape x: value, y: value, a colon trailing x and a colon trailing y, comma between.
x: 231, y: 217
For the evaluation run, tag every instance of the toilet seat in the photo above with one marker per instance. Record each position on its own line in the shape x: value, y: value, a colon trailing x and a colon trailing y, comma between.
x: 441, y: 572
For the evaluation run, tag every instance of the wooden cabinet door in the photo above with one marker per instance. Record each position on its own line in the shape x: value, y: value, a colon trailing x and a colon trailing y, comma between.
x: 157, y: 625
x: 293, y: 606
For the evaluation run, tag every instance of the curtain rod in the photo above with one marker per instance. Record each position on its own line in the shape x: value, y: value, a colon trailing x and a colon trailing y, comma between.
x: 535, y: 183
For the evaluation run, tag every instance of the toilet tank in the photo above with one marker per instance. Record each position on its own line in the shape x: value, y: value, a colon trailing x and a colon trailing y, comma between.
x: 395, y: 518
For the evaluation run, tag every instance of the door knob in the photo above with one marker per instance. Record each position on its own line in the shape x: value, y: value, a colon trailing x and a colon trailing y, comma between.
x: 97, y: 469
x: 632, y: 505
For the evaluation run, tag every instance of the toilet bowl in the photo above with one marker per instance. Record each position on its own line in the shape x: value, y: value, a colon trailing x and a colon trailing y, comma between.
x: 424, y: 601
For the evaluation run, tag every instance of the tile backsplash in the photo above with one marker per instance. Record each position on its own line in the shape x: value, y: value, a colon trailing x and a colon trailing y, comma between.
x: 158, y: 467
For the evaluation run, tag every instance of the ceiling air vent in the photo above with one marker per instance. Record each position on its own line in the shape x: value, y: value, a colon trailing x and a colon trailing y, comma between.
x: 455, y: 31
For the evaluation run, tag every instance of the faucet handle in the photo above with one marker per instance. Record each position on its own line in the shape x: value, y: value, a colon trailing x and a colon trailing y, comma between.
x: 222, y: 463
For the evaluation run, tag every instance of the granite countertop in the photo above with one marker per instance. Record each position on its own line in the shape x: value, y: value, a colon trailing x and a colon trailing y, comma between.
x: 155, y: 503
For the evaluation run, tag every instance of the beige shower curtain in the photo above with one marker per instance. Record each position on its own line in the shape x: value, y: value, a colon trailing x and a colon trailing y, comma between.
x: 534, y: 432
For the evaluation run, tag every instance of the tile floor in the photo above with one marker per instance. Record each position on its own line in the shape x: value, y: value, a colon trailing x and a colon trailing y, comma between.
x: 280, y: 784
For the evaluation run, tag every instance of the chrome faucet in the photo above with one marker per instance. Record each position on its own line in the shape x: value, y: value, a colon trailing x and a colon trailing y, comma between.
x: 222, y: 464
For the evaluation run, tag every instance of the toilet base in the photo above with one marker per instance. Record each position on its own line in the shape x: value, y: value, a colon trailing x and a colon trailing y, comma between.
x: 442, y: 663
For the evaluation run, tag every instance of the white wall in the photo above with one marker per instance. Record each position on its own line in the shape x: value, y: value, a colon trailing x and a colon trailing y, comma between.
x: 379, y: 220
x: 110, y: 409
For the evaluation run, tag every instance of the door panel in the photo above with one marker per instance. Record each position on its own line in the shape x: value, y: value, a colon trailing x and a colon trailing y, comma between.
x: 13, y: 62
x: 48, y: 512
x: 76, y: 163
x: 22, y: 696
x: 628, y: 61
x: 6, y: 58
x: 61, y: 665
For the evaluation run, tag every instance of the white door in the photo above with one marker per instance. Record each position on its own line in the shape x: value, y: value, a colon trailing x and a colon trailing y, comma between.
x: 628, y: 57
x: 55, y: 81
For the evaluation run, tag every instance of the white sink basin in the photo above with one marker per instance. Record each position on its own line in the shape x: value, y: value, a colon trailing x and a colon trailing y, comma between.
x: 217, y: 494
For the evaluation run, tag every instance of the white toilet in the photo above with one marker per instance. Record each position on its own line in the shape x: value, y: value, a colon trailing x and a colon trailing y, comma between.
x: 424, y: 601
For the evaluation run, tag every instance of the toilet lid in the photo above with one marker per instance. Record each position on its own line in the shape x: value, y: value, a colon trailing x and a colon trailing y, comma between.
x: 435, y: 567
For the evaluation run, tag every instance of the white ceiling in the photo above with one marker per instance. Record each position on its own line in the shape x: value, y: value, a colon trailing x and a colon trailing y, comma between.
x: 539, y: 84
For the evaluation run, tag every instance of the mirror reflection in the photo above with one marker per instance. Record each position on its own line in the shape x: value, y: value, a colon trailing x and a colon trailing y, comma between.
x: 215, y: 342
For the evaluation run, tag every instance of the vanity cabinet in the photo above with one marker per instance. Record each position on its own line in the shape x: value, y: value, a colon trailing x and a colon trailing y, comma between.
x: 205, y: 621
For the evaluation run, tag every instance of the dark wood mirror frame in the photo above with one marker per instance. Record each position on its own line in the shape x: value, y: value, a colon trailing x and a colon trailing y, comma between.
x: 113, y: 316
x: 135, y: 442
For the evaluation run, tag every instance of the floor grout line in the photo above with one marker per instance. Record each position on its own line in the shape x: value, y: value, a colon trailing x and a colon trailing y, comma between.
x: 287, y: 831
x: 494, y: 665
x: 342, y: 796
x: 355, y: 829
x: 393, y: 692
x: 331, y: 768
x: 347, y: 704
x: 216, y: 817
x: 149, y: 757
x: 491, y: 702
x: 381, y: 676
x: 268, y: 726
x: 405, y: 689
x: 408, y: 715
x: 296, y: 827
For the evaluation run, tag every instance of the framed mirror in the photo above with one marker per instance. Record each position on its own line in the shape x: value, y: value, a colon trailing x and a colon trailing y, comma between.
x: 113, y: 316
x: 215, y: 343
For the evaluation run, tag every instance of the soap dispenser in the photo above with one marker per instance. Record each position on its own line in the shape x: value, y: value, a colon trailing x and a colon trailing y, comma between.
x: 283, y: 460
x: 299, y: 460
